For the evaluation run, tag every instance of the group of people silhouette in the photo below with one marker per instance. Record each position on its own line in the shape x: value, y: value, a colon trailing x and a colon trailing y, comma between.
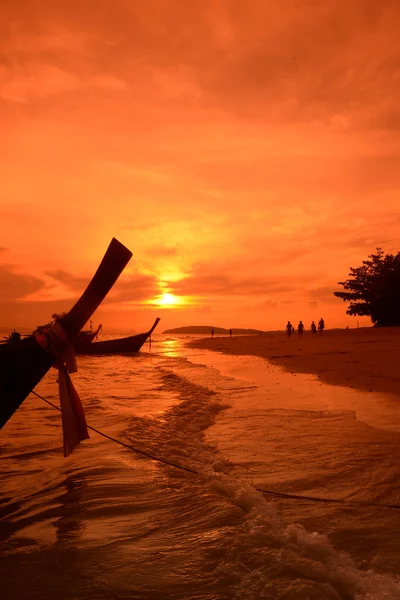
x: 300, y: 328
x: 290, y: 328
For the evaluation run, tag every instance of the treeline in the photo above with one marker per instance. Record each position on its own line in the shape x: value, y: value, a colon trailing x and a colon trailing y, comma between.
x: 373, y: 289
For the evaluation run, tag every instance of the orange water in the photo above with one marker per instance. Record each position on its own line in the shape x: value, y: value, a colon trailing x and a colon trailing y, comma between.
x: 106, y: 523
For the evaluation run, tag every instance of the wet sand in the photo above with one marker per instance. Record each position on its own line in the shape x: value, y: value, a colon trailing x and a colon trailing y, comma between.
x: 365, y: 358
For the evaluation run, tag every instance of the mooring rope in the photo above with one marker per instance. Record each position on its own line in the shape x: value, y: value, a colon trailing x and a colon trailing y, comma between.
x: 128, y: 446
x: 194, y: 472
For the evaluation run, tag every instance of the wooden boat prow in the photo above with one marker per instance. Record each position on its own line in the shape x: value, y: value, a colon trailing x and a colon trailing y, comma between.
x: 23, y: 364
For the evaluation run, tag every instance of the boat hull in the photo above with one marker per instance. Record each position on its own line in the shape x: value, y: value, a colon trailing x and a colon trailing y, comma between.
x: 124, y: 345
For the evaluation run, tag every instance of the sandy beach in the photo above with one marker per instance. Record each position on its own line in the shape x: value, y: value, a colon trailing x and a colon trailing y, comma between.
x: 365, y: 358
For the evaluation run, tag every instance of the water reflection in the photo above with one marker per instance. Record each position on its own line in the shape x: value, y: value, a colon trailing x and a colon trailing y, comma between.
x: 299, y: 391
x: 171, y: 348
x: 70, y: 527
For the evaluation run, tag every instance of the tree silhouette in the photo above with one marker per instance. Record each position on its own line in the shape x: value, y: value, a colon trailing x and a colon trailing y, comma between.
x: 374, y: 289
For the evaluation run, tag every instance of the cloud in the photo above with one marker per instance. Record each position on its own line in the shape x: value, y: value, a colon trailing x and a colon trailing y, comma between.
x: 71, y: 282
x: 161, y: 251
x: 262, y: 60
x: 30, y: 315
x: 266, y: 305
x: 40, y: 81
x: 227, y: 279
x: 275, y: 64
x: 324, y: 294
x: 250, y: 147
x: 16, y: 286
x: 132, y: 289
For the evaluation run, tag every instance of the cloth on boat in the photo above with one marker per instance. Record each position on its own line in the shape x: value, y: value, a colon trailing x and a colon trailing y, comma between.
x: 55, y: 341
x: 73, y: 416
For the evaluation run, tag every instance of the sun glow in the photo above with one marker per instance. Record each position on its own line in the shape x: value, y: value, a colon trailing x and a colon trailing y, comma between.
x: 168, y: 299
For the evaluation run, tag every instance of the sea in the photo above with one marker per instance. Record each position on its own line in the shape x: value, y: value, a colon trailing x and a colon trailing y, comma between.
x: 234, y: 480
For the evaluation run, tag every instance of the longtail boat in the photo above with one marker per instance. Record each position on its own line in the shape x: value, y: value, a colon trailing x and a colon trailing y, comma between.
x: 124, y: 345
x: 83, y: 336
x: 14, y: 338
x: 23, y: 364
x: 88, y: 336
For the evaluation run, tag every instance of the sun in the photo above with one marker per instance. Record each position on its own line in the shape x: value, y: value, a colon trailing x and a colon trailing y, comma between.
x: 168, y: 299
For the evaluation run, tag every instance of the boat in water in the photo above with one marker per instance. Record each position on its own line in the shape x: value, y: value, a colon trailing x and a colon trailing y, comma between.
x: 88, y: 335
x: 24, y: 362
x: 123, y: 345
x: 15, y: 337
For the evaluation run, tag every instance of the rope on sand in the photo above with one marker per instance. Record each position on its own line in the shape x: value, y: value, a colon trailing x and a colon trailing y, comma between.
x: 267, y: 492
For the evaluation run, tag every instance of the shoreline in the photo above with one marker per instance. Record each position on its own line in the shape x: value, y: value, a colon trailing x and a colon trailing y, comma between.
x: 366, y: 359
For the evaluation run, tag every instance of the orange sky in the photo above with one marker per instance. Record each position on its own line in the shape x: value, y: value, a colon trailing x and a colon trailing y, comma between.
x: 246, y: 152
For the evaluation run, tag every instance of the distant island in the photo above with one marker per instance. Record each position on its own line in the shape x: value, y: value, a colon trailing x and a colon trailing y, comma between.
x: 204, y: 329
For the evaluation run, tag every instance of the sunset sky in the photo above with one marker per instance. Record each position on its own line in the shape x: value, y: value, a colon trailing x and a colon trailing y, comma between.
x: 246, y: 151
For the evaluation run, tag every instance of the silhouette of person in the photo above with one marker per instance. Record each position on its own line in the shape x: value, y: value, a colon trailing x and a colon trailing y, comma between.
x: 321, y: 325
x: 230, y: 333
x: 212, y: 332
x: 300, y: 329
x: 289, y: 329
x: 313, y: 328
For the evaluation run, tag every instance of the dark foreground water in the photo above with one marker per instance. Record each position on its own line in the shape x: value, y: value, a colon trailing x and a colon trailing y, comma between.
x: 107, y: 523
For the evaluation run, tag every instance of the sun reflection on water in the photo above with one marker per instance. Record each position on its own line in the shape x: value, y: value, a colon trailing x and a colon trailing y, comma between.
x: 171, y: 348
